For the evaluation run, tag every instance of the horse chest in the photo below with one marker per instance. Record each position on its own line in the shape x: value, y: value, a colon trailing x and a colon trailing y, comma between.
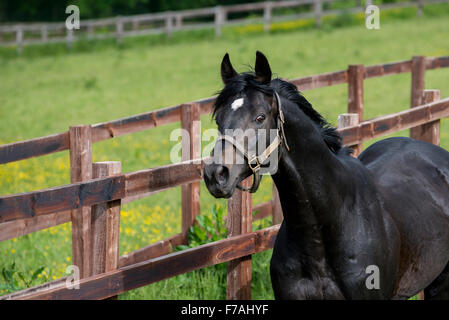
x: 299, y: 276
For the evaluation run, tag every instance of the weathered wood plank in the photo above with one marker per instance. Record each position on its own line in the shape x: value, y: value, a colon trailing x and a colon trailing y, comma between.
x: 151, y: 251
x: 355, y: 96
x: 348, y: 120
x: 191, y: 149
x: 263, y: 210
x: 267, y: 13
x: 61, y: 282
x: 105, y: 224
x: 147, y: 272
x: 80, y: 140
x: 430, y: 132
x: 20, y: 227
x: 34, y: 147
x: 395, y: 122
x: 140, y: 122
x: 437, y: 63
x: 72, y: 196
x: 145, y: 121
x: 239, y: 222
x: 260, y: 5
x: 387, y: 69
x: 320, y: 80
x: 162, y: 178
x: 278, y: 215
x: 355, y: 89
x: 417, y: 87
x: 318, y: 12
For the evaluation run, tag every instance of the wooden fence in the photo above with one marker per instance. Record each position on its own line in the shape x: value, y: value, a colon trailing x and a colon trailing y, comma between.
x: 167, y: 22
x: 92, y: 201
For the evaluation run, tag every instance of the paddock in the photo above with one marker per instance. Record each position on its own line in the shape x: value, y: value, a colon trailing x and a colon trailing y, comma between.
x: 92, y: 201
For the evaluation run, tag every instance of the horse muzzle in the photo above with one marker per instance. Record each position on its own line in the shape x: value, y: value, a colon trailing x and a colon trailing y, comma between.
x: 219, y: 180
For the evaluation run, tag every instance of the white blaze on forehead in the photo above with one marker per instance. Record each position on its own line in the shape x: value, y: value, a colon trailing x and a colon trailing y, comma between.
x: 237, y: 104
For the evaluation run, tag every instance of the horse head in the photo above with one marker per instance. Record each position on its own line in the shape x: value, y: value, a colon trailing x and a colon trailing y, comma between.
x: 249, y: 117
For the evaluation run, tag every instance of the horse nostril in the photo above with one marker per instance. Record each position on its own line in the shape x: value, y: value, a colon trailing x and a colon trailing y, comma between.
x: 222, y: 174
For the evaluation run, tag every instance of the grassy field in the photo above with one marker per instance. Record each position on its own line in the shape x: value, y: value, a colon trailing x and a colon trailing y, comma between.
x: 45, y: 92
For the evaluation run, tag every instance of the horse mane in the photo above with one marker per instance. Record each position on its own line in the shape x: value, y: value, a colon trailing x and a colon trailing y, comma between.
x: 248, y: 80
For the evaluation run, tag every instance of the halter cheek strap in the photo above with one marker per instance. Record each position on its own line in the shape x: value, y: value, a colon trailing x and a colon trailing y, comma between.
x: 256, y: 161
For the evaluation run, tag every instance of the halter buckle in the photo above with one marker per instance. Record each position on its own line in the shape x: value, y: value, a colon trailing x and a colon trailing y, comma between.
x: 251, y: 161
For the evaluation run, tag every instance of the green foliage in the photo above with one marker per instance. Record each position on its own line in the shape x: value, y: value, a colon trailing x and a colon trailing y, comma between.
x: 11, y: 278
x: 343, y: 19
x: 206, y: 229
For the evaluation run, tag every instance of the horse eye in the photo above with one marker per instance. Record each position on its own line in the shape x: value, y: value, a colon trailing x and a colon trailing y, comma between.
x: 260, y: 118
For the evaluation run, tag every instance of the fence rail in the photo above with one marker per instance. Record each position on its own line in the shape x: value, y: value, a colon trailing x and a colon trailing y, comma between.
x: 143, y: 273
x: 96, y: 191
x: 92, y: 201
x: 167, y: 22
x: 102, y: 131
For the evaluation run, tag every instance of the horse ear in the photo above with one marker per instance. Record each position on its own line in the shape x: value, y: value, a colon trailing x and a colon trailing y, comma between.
x: 262, y: 68
x: 227, y: 71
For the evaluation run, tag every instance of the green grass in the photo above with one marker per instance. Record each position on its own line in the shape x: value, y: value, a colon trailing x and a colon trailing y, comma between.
x: 46, y: 90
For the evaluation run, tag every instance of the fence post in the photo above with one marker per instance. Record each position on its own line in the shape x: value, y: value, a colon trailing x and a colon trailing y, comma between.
x: 239, y: 222
x: 69, y: 38
x: 44, y: 32
x: 19, y: 39
x: 430, y: 132
x: 267, y: 15
x: 81, y: 170
x: 169, y: 24
x: 355, y: 94
x: 318, y: 10
x: 418, y: 85
x: 119, y: 30
x: 178, y: 22
x: 278, y: 216
x: 347, y: 120
x: 105, y: 224
x: 219, y: 20
x: 90, y: 31
x: 191, y: 149
x: 419, y: 8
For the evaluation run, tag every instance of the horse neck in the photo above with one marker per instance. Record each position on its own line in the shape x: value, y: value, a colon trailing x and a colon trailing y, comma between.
x: 309, y: 184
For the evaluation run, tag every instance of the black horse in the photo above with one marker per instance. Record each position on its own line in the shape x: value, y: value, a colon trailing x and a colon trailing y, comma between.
x: 376, y: 227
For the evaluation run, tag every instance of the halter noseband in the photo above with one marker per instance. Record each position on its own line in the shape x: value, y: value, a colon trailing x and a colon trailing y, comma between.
x: 256, y: 161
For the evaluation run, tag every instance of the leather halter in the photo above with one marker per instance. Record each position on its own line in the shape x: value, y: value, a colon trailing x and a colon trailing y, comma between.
x: 256, y: 161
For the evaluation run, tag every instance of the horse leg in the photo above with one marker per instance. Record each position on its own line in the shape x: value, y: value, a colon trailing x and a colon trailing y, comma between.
x: 439, y: 288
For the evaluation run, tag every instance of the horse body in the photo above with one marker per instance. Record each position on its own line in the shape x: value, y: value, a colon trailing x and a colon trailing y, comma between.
x: 388, y: 209
x: 376, y: 227
x: 413, y: 177
x: 335, y: 224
